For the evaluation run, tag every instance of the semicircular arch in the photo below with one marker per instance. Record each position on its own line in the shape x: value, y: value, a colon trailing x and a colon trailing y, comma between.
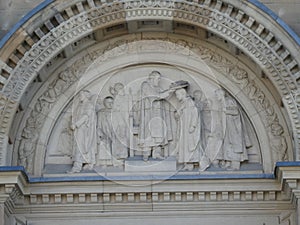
x: 274, y: 52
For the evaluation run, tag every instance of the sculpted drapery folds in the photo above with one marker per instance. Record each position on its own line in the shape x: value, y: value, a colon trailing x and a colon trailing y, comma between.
x: 120, y: 121
x: 188, y: 133
x: 84, y: 126
x: 154, y: 123
x: 105, y: 133
x: 203, y: 105
x: 113, y: 127
x: 205, y: 130
x: 236, y: 139
x: 26, y: 153
x: 233, y: 137
x: 237, y: 74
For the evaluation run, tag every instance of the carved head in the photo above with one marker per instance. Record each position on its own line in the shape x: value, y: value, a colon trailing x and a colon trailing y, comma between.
x: 28, y: 133
x: 198, y: 94
x: 118, y: 89
x: 220, y: 94
x: 155, y: 77
x: 180, y: 94
x: 83, y: 95
x: 108, y: 102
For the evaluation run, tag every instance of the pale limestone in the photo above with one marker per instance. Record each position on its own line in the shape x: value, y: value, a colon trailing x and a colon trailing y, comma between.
x: 258, y: 91
x: 138, y: 165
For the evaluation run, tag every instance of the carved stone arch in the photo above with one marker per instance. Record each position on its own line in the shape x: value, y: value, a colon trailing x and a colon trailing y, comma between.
x: 198, y: 58
x: 261, y: 38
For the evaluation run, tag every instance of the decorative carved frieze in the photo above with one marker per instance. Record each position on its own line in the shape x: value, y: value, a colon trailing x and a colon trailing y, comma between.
x: 155, y: 197
x: 44, y: 199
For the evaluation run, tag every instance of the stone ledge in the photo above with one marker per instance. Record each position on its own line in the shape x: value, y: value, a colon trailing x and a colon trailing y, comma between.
x: 138, y: 165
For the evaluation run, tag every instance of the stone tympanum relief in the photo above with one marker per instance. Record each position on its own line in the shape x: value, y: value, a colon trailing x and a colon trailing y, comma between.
x: 49, y: 119
x: 154, y: 117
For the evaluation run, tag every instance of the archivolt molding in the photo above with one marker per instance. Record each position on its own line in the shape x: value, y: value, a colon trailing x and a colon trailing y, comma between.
x: 170, y: 45
x: 228, y: 20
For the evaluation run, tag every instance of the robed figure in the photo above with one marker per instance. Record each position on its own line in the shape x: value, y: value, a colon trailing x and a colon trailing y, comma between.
x: 154, y: 123
x: 120, y: 121
x: 84, y: 127
x: 105, y: 133
x: 236, y: 139
x: 188, y: 131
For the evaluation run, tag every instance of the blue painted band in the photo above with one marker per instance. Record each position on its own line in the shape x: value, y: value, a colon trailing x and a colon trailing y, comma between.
x: 47, y: 2
x: 151, y: 178
x: 277, y: 19
x: 14, y: 168
x: 136, y: 178
x: 23, y: 20
x: 286, y: 164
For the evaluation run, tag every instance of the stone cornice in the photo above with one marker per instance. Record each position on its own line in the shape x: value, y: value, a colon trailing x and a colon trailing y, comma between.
x: 13, y: 182
x: 137, y: 190
x: 288, y: 174
x: 90, y: 196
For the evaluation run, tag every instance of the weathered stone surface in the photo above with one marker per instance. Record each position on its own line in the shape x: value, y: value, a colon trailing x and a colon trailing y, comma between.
x: 138, y: 165
x: 114, y: 52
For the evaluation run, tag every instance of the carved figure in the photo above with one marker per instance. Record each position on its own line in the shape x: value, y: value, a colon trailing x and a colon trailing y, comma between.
x: 278, y: 144
x: 65, y: 141
x: 27, y: 147
x: 49, y: 96
x: 84, y: 126
x: 154, y: 123
x: 188, y: 135
x: 203, y: 107
x: 236, y: 139
x: 214, y: 149
x: 120, y: 121
x: 105, y: 132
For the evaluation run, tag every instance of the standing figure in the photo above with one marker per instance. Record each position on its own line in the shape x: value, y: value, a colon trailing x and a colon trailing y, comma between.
x: 203, y: 107
x: 105, y: 132
x: 65, y: 140
x: 84, y: 127
x: 27, y: 147
x: 235, y: 140
x: 188, y: 135
x: 214, y: 148
x: 120, y: 121
x: 278, y: 144
x: 154, y: 122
